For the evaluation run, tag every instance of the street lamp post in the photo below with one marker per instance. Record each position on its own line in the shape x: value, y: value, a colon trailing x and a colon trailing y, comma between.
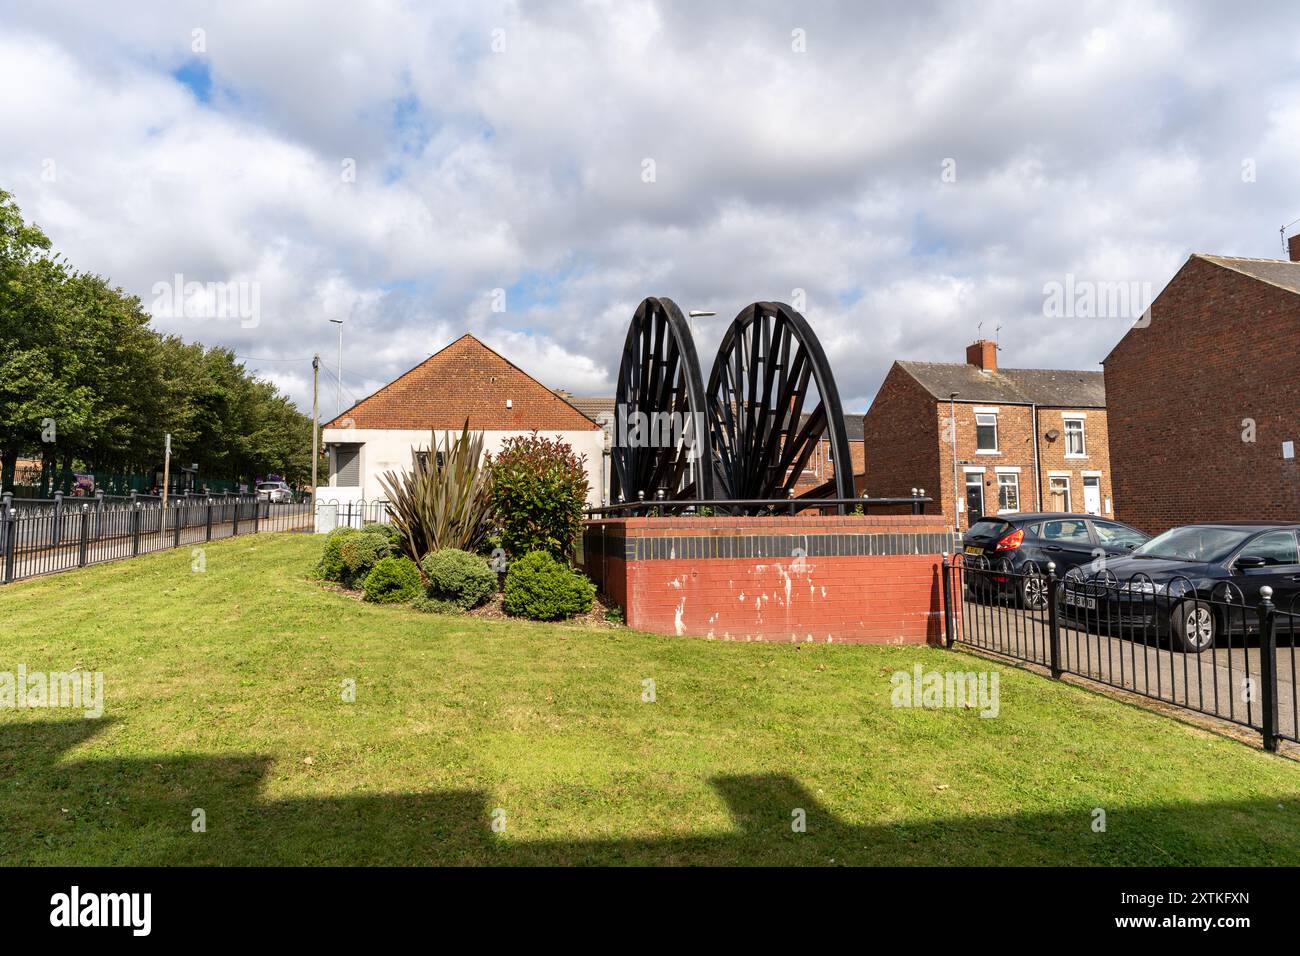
x: 338, y: 402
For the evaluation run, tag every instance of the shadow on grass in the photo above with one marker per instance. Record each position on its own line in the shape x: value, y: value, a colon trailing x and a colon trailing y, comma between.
x: 139, y: 811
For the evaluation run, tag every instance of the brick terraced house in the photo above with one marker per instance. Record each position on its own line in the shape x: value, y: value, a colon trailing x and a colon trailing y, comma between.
x: 1205, y: 397
x: 465, y: 380
x: 1023, y: 439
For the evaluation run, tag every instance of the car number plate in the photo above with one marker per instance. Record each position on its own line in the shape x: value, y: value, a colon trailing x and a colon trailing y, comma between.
x: 1087, y: 603
x: 971, y: 549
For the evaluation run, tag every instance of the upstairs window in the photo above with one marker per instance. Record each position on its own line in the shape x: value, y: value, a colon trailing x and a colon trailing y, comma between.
x: 1074, y: 440
x: 986, y: 432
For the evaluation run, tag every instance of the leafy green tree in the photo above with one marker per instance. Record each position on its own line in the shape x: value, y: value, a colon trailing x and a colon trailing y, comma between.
x: 85, y: 381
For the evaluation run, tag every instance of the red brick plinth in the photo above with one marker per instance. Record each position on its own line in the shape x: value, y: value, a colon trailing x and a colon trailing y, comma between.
x: 868, y: 579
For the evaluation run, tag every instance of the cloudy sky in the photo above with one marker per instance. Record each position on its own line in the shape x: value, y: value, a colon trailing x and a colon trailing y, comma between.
x: 917, y: 169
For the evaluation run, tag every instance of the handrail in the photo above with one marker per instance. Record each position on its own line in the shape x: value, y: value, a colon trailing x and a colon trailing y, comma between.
x: 789, y: 505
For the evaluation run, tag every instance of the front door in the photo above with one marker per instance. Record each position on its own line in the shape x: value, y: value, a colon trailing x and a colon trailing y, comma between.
x: 974, y: 498
x: 1092, y: 494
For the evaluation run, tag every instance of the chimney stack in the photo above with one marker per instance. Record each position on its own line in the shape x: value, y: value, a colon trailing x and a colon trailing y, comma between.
x: 1293, y: 247
x: 983, y: 355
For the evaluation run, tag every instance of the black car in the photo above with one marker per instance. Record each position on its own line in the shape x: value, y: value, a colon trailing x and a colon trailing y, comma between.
x: 1008, y: 554
x: 1198, y: 581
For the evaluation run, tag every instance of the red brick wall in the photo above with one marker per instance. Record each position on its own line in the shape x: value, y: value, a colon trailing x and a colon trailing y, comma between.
x: 778, y: 594
x: 821, y: 469
x: 1220, y: 348
x: 901, y: 434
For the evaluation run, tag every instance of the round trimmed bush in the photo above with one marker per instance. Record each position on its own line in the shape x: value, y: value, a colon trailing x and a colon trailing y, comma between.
x: 330, y: 567
x: 360, y: 553
x: 543, y: 589
x: 458, y: 577
x: 393, y: 580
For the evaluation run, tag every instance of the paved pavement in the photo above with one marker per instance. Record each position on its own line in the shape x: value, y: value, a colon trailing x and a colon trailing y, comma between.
x: 1217, y: 682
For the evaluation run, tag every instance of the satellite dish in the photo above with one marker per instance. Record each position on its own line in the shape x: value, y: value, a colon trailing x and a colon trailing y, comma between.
x: 1052, y: 434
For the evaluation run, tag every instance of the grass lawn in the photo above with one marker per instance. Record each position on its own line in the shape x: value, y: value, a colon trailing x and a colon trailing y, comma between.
x: 223, y: 692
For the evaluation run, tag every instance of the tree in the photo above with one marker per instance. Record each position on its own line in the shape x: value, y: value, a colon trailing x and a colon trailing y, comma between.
x: 83, y: 379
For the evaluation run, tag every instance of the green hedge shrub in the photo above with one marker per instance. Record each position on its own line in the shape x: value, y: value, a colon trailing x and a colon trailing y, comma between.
x: 360, y: 553
x: 393, y: 580
x: 431, y: 605
x: 543, y: 589
x: 330, y: 567
x: 388, y: 531
x: 459, y: 578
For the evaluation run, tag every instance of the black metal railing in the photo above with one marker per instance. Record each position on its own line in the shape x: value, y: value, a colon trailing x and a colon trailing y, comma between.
x: 42, y: 537
x: 352, y: 514
x: 1209, y: 650
x: 663, y: 506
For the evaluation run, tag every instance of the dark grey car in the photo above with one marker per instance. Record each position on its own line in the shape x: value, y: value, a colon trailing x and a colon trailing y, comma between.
x: 1023, y: 544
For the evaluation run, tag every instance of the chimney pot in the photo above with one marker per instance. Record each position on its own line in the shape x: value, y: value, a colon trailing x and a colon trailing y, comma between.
x: 983, y: 355
x: 1293, y: 247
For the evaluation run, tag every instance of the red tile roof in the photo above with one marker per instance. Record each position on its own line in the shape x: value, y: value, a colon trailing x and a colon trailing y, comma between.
x: 465, y: 380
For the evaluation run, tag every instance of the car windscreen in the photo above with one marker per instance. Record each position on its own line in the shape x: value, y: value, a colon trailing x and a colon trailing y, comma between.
x: 988, y: 528
x: 269, y: 486
x: 1193, y: 543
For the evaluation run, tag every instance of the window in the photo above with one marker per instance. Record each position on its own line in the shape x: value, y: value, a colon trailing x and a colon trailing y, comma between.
x: 347, y: 466
x: 1074, y: 443
x: 1116, y: 535
x: 1194, y: 543
x: 1070, y: 530
x: 1008, y: 492
x: 986, y: 432
x: 1058, y: 492
x: 1276, y: 547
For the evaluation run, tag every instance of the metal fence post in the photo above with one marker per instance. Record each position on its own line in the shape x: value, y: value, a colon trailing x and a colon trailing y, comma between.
x: 1268, y: 664
x: 11, y: 532
x: 948, y: 636
x: 135, y: 526
x: 99, y: 515
x: 85, y: 536
x: 176, y: 524
x: 56, y: 529
x: 234, y: 523
x: 208, y: 521
x: 257, y: 513
x: 1053, y: 625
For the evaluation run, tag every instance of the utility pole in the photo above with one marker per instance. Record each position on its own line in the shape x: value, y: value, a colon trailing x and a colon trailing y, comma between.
x: 315, y: 430
x: 167, y: 470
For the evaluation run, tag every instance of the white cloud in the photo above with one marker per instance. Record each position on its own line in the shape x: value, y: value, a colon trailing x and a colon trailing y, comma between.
x: 1100, y: 140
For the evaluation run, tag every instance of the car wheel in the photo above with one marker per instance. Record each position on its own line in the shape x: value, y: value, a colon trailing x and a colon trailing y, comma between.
x: 1033, y: 590
x: 1194, y: 626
